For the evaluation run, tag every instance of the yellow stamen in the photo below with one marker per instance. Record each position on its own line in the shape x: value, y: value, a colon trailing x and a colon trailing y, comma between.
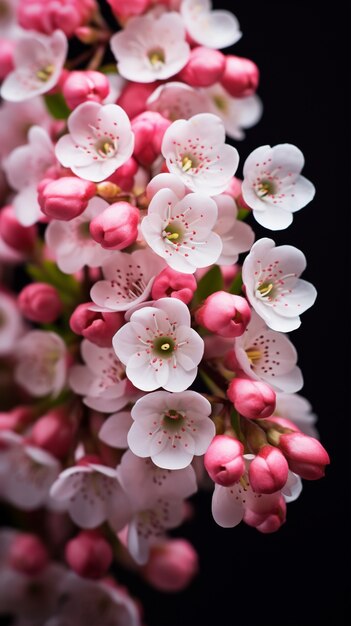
x: 172, y: 236
x: 265, y: 289
x: 45, y: 73
x: 165, y: 346
x: 186, y: 164
x: 253, y: 355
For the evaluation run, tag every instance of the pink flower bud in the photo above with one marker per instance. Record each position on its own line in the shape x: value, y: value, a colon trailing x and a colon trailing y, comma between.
x: 28, y: 554
x: 89, y: 554
x: 45, y: 16
x: 116, y: 227
x: 134, y: 96
x: 224, y: 314
x: 172, y: 565
x: 267, y: 521
x: 148, y: 129
x: 17, y: 418
x: 234, y: 191
x: 88, y: 459
x: 40, y: 302
x: 65, y: 198
x: 6, y: 57
x: 241, y: 76
x: 252, y: 398
x: 224, y: 460
x: 204, y: 68
x: 268, y: 472
x: 123, y: 177
x: 18, y: 237
x: 85, y: 86
x: 283, y: 422
x: 54, y: 432
x: 128, y: 8
x: 99, y: 328
x: 305, y: 455
x: 170, y: 283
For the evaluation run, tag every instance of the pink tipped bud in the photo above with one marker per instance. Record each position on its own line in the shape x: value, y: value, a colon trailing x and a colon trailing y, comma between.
x: 252, y: 398
x: 116, y: 227
x: 85, y: 86
x: 204, y: 68
x: 40, y: 302
x: 305, y: 455
x: 171, y: 565
x: 267, y: 521
x: 28, y: 554
x: 54, y: 432
x: 6, y: 57
x: 123, y: 177
x: 224, y: 460
x: 128, y: 8
x: 268, y: 472
x: 89, y: 554
x: 18, y: 237
x: 148, y: 129
x: 224, y: 314
x: 65, y: 198
x: 241, y: 76
x: 134, y: 96
x: 170, y: 283
x: 16, y: 419
x: 99, y: 328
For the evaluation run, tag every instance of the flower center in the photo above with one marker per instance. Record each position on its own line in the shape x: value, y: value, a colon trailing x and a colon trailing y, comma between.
x: 188, y: 163
x: 265, y: 188
x: 45, y: 73
x: 156, y: 57
x: 253, y: 355
x: 173, y: 233
x: 83, y: 230
x: 221, y: 103
x: 163, y: 346
x: 173, y: 419
x: 265, y: 289
x: 106, y: 147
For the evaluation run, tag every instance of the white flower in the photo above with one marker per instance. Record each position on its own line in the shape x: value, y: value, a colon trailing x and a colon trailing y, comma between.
x: 11, y: 323
x: 100, y: 140
x: 195, y: 150
x: 273, y: 187
x: 25, y: 167
x: 236, y: 236
x: 264, y: 354
x: 150, y: 48
x: 159, y: 347
x: 102, y: 381
x: 92, y: 494
x: 114, y: 430
x: 179, y: 227
x: 273, y: 287
x: 214, y: 29
x: 15, y: 120
x: 128, y: 280
x: 299, y: 410
x: 178, y: 101
x: 38, y: 61
x: 71, y: 243
x: 171, y: 428
x: 41, y: 363
x: 235, y: 113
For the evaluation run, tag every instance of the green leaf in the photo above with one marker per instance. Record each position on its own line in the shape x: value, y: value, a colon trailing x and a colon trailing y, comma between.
x: 109, y: 68
x: 211, y: 282
x: 236, y: 286
x: 57, y: 106
x: 242, y: 214
x: 48, y: 272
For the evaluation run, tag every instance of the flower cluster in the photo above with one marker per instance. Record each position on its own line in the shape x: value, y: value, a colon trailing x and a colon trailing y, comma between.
x: 146, y: 350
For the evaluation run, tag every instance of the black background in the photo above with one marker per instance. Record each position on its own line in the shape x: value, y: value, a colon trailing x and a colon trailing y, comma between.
x: 293, y: 577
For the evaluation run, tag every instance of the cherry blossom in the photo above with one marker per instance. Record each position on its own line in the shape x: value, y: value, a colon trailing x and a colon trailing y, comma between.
x: 71, y: 243
x: 215, y: 29
x: 264, y: 354
x: 159, y: 347
x: 179, y: 227
x: 41, y: 363
x: 38, y: 61
x: 128, y: 280
x: 273, y: 186
x: 11, y: 324
x: 236, y: 114
x: 102, y: 380
x: 25, y: 167
x: 16, y: 118
x: 100, y: 140
x: 297, y: 409
x: 92, y: 494
x: 236, y: 236
x: 171, y: 428
x: 195, y: 150
x: 273, y: 287
x: 115, y: 429
x: 177, y: 101
x: 151, y: 48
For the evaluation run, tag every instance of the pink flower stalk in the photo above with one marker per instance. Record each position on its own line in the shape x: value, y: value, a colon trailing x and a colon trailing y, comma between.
x: 89, y: 554
x: 65, y: 198
x: 134, y: 96
x: 124, y: 176
x: 172, y: 565
x: 40, y: 302
x: 305, y: 455
x: 7, y: 47
x: 98, y: 327
x: 88, y: 85
x: 27, y: 554
x: 54, y: 432
x: 128, y: 8
x: 116, y: 227
x: 267, y: 521
x: 241, y: 76
x: 204, y: 68
x: 46, y: 16
x: 224, y: 460
x: 268, y: 472
x: 225, y: 314
x: 170, y: 283
x: 149, y: 128
x: 20, y: 238
x: 252, y: 398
